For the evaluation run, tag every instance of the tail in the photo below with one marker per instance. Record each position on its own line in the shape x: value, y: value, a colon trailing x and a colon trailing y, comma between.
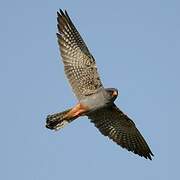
x: 58, y: 120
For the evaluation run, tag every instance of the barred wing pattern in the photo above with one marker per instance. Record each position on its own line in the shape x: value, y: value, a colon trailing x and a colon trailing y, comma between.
x: 79, y: 64
x: 112, y: 122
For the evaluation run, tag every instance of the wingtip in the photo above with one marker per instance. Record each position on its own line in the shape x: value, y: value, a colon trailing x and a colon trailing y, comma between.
x: 61, y: 11
x: 66, y: 12
x: 149, y: 156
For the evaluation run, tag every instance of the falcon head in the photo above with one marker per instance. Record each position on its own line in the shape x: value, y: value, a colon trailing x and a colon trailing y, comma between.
x: 112, y: 94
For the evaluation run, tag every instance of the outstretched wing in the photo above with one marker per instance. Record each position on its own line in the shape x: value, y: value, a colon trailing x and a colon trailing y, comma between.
x: 112, y: 122
x: 79, y: 64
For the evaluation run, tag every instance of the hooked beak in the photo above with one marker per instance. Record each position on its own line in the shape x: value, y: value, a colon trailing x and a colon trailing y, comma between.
x: 114, y: 93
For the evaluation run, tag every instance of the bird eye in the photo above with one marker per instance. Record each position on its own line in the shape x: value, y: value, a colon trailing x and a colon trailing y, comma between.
x: 111, y: 93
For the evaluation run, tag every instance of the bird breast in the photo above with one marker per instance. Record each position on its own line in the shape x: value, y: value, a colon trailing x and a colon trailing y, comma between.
x: 96, y: 101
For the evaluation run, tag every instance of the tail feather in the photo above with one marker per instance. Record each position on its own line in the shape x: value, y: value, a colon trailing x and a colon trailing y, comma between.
x: 58, y: 120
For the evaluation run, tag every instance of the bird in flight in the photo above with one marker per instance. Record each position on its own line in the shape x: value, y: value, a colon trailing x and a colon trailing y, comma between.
x: 94, y: 101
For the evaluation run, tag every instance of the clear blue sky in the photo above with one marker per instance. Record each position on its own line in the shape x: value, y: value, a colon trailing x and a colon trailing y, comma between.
x: 137, y: 48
